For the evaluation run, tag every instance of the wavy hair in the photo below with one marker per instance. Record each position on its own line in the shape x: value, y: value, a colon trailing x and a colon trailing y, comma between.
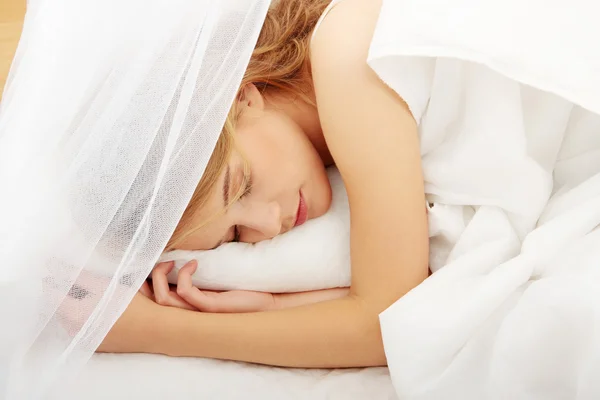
x: 280, y: 62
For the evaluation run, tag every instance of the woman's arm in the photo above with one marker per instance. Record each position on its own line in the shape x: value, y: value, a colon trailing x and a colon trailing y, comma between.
x: 288, y: 300
x: 374, y: 141
x: 336, y: 333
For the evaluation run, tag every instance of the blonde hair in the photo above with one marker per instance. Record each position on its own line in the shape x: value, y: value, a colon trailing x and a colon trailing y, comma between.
x: 280, y: 62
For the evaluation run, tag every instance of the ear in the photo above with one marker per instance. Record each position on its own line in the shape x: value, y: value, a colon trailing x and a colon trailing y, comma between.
x: 250, y: 97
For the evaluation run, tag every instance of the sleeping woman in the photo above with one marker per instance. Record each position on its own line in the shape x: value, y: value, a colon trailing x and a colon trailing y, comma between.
x: 308, y: 100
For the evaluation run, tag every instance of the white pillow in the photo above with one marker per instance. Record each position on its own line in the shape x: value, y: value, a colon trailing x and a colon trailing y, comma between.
x: 313, y: 256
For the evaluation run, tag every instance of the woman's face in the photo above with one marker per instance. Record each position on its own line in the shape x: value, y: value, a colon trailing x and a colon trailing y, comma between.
x: 288, y: 182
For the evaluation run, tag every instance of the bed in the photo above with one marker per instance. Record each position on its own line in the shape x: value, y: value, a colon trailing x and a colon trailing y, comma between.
x: 142, y: 376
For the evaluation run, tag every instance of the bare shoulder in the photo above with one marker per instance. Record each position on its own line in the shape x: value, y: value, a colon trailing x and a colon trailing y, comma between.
x: 345, y: 34
x: 348, y: 91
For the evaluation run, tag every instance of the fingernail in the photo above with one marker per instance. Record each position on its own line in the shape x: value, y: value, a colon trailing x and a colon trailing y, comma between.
x: 169, y: 266
x: 193, y: 264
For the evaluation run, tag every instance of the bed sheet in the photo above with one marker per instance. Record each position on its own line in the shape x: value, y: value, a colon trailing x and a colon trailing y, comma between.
x: 148, y: 377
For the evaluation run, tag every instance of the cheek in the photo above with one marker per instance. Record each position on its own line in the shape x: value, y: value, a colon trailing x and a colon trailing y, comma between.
x: 272, y: 148
x: 272, y: 171
x: 281, y: 156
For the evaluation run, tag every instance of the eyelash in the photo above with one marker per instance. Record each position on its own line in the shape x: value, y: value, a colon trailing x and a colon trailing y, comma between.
x: 248, y: 189
x: 247, y: 192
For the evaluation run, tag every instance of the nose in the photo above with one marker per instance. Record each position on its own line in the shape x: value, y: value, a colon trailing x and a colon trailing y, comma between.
x: 263, y: 220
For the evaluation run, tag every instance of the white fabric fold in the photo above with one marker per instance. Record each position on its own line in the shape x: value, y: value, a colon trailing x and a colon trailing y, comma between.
x: 510, y: 142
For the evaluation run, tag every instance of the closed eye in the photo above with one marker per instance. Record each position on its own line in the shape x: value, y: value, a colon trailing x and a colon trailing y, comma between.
x: 248, y: 188
x: 247, y: 192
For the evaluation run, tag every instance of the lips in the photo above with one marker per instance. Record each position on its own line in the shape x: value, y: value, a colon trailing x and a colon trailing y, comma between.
x: 302, y: 214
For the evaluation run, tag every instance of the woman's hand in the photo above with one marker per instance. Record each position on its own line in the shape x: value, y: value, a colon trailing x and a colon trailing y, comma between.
x: 188, y: 297
x: 140, y: 328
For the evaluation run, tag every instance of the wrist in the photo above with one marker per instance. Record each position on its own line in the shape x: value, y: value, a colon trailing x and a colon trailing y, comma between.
x: 134, y: 331
x: 156, y: 335
x: 168, y: 331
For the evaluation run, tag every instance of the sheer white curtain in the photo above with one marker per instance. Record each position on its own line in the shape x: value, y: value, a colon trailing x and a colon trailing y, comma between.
x: 109, y: 117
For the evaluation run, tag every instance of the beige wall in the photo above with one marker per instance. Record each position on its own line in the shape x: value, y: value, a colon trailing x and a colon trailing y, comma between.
x: 11, y: 23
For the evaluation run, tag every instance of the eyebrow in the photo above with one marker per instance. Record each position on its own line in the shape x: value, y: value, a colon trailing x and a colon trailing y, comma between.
x: 226, y: 187
x: 226, y: 195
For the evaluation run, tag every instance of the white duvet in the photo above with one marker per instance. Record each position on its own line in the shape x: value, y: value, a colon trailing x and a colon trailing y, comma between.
x: 510, y: 140
x: 511, y: 147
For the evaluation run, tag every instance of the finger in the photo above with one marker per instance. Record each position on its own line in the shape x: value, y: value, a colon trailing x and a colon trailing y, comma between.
x: 146, y: 291
x: 163, y: 294
x: 191, y: 294
x: 160, y: 284
x: 176, y: 301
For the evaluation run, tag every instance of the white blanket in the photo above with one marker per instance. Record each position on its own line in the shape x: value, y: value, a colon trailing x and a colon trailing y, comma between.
x: 511, y: 154
x: 511, y: 147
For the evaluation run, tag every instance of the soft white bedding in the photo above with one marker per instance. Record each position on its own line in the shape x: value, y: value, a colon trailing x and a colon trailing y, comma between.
x: 150, y: 377
x: 510, y: 144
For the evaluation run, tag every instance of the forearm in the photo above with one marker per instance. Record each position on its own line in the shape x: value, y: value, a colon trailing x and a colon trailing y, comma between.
x: 336, y: 333
x: 287, y: 300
